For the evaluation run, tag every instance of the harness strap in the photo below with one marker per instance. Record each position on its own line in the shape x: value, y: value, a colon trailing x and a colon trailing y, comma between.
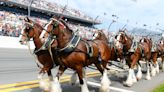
x: 141, y: 50
x: 71, y: 45
x: 35, y: 58
x: 89, y: 49
x: 50, y: 51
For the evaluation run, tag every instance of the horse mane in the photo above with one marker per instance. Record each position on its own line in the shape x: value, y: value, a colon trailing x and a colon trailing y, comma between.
x: 103, y: 35
x: 62, y: 21
x: 39, y: 26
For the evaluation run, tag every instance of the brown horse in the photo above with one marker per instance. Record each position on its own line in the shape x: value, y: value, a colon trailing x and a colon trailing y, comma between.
x: 123, y: 44
x: 160, y: 50
x: 157, y: 53
x: 33, y: 30
x: 100, y: 35
x: 76, y: 53
x: 143, y: 51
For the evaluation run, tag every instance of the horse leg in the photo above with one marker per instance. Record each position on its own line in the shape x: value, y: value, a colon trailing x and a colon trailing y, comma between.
x: 49, y: 73
x: 43, y: 84
x: 148, y: 71
x: 139, y: 72
x: 131, y: 76
x: 123, y: 62
x: 162, y: 63
x: 55, y: 85
x: 82, y: 80
x: 46, y: 85
x: 154, y: 65
x: 100, y: 68
x: 105, y: 82
x: 60, y: 71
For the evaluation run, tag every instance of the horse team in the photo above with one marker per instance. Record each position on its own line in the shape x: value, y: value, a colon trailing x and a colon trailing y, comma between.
x: 57, y: 45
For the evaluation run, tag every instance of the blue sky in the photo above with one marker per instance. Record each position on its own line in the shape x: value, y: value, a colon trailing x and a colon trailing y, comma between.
x: 141, y: 12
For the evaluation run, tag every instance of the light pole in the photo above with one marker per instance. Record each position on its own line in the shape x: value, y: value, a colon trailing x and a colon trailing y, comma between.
x: 29, y: 6
x: 95, y: 20
x: 113, y: 21
x: 125, y: 24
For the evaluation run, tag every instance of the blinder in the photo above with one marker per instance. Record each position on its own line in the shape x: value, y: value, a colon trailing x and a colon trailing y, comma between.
x: 28, y: 26
x: 55, y: 25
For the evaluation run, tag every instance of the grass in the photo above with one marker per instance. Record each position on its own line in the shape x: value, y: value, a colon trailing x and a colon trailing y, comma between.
x: 160, y: 88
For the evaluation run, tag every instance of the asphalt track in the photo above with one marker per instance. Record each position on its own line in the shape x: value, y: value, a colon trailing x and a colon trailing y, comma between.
x: 18, y: 73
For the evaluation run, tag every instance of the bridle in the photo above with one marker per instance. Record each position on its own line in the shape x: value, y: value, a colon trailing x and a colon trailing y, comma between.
x: 31, y: 26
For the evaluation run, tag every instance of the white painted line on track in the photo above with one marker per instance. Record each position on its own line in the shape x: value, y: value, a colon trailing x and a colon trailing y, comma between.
x: 112, y: 88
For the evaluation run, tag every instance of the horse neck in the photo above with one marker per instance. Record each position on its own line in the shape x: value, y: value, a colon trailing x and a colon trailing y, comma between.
x: 128, y: 43
x: 37, y: 41
x: 103, y: 37
x: 64, y: 38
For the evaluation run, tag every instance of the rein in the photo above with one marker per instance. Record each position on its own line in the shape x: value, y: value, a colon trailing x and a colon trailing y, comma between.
x: 35, y: 58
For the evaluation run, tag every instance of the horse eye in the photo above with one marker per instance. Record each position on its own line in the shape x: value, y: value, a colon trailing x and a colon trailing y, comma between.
x: 55, y: 24
x: 115, y: 36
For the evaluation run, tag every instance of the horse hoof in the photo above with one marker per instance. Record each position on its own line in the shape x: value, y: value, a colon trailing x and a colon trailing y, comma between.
x: 128, y: 84
x: 153, y: 73
x: 148, y: 78
x: 134, y: 80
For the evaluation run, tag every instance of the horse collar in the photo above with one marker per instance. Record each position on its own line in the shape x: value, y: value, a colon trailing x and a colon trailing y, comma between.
x: 71, y: 45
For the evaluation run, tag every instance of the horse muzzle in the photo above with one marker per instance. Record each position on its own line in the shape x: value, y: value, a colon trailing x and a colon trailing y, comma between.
x: 23, y: 42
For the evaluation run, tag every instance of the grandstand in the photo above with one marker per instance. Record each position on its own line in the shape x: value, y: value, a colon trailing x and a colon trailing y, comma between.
x: 12, y: 13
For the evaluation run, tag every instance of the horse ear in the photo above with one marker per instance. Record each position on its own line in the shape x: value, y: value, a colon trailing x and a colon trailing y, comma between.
x: 26, y: 19
x: 115, y: 37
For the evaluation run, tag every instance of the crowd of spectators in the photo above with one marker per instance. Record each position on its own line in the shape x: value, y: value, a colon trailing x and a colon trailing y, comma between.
x: 54, y: 7
x: 12, y: 23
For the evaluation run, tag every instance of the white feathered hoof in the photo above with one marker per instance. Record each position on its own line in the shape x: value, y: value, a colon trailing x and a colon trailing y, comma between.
x: 148, y: 78
x: 55, y: 86
x: 134, y: 80
x: 153, y: 71
x: 128, y: 83
x: 139, y: 75
x: 105, y: 83
x: 157, y: 68
x: 44, y: 85
x: 130, y: 78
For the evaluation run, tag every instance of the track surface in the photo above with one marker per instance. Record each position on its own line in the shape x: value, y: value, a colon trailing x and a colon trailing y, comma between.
x: 17, y: 65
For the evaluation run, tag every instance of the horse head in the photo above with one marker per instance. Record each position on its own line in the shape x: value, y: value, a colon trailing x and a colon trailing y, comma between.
x: 100, y: 35
x: 120, y: 39
x: 29, y: 30
x: 160, y: 45
x: 56, y: 29
x: 53, y: 27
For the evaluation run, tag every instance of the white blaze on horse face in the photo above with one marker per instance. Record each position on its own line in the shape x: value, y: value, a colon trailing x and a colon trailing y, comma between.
x: 21, y: 36
x: 118, y: 44
x: 46, y: 27
x: 44, y: 31
x: 118, y: 37
x: 142, y: 40
x: 95, y: 35
x: 162, y: 42
x: 42, y: 34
